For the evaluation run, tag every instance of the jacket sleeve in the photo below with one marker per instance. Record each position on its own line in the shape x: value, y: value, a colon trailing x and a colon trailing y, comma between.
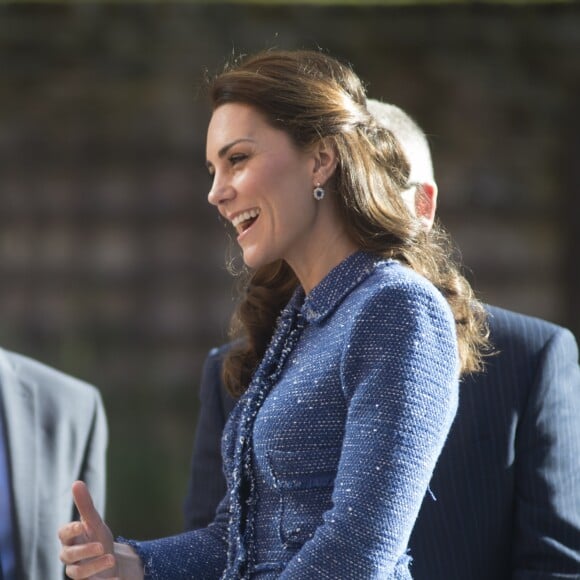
x: 547, y: 535
x: 400, y: 379
x: 195, y: 554
x: 207, y: 484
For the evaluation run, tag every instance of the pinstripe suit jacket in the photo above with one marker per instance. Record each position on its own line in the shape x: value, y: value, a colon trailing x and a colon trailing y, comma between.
x: 507, y: 484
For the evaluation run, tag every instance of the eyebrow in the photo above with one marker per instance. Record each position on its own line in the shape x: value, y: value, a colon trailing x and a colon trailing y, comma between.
x: 223, y: 151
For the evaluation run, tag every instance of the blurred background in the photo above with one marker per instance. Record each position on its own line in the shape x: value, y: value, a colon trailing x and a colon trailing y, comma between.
x: 112, y: 262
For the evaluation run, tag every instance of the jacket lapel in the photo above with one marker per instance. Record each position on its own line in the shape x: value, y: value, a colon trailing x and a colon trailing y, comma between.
x: 20, y: 405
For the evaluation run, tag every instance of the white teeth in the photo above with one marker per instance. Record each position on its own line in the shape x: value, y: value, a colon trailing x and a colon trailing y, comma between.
x: 244, y: 216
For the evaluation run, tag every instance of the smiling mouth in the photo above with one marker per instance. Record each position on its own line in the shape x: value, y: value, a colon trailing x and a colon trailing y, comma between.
x: 245, y: 220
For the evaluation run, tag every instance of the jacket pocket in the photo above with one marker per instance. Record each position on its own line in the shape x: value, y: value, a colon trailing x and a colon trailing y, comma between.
x: 305, y: 481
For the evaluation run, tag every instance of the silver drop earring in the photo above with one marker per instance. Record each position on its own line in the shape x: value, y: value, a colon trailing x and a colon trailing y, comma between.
x: 318, y: 192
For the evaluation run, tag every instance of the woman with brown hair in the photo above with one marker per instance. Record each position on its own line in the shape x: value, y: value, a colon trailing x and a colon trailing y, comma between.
x: 353, y: 328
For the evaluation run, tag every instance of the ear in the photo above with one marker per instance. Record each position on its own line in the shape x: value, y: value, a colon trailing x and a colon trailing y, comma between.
x: 426, y: 203
x: 325, y: 161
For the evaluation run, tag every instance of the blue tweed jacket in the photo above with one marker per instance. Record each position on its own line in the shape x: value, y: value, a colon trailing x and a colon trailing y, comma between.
x: 511, y: 462
x: 329, y: 453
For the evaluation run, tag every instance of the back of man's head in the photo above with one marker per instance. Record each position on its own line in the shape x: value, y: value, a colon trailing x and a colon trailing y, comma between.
x: 410, y: 136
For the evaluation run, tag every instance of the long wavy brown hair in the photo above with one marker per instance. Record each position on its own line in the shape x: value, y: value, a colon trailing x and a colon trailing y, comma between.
x: 312, y: 96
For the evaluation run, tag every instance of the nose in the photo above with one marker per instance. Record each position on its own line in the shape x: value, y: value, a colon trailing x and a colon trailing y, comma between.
x: 220, y: 191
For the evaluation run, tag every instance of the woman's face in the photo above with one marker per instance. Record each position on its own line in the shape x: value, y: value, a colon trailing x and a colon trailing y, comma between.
x: 262, y: 184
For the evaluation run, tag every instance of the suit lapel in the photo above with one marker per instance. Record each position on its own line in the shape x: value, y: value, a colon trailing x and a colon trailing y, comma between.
x: 20, y: 403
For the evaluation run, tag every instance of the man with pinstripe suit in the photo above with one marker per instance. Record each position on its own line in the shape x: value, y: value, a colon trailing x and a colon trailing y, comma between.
x: 506, y: 488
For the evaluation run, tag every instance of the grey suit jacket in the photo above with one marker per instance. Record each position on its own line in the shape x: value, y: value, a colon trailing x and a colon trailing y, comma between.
x: 56, y: 433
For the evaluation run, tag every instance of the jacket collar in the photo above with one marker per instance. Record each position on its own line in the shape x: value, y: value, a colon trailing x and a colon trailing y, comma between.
x: 334, y: 287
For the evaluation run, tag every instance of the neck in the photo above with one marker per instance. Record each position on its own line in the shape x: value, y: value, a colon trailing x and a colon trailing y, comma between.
x: 312, y: 268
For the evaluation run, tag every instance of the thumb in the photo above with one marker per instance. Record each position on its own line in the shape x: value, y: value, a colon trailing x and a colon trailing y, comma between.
x: 84, y: 503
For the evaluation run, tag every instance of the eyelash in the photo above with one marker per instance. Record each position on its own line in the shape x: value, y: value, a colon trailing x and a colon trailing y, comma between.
x: 233, y: 159
x: 237, y: 158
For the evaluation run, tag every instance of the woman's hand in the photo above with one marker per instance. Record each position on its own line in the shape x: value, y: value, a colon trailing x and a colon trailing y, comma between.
x: 88, y: 550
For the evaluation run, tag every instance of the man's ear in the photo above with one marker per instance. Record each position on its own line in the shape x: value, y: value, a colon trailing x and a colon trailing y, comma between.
x: 325, y: 161
x: 426, y: 203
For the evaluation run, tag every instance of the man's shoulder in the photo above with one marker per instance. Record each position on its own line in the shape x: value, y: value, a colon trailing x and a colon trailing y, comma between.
x: 523, y: 346
x: 47, y: 381
x: 218, y: 353
x: 214, y: 360
x: 500, y: 317
x: 514, y: 330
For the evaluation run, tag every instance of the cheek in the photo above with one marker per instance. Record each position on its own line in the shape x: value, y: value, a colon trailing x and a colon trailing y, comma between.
x: 246, y: 182
x: 294, y: 214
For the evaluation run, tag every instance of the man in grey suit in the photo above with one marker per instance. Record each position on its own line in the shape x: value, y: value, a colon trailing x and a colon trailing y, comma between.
x: 507, y: 484
x: 53, y: 431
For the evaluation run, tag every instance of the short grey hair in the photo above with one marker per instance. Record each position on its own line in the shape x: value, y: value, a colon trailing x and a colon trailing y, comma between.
x: 410, y: 136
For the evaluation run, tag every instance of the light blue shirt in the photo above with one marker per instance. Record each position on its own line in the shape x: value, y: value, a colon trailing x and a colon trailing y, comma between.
x: 7, y: 552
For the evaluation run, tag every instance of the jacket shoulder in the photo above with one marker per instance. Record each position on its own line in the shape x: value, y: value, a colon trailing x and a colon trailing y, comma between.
x: 47, y: 380
x: 393, y: 280
x: 523, y: 332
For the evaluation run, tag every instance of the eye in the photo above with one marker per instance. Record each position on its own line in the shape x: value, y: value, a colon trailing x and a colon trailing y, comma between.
x: 236, y: 158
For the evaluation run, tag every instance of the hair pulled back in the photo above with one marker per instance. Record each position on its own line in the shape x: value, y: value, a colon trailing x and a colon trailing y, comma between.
x: 312, y: 96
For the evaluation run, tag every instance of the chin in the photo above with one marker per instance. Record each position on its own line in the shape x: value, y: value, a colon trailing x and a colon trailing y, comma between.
x: 251, y: 260
x: 255, y: 260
